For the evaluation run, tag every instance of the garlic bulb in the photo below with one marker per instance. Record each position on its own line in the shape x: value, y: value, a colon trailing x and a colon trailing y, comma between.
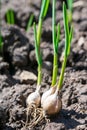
x: 52, y: 104
x: 47, y: 93
x: 34, y: 98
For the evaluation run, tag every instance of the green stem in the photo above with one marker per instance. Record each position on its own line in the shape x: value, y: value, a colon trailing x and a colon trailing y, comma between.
x: 30, y: 22
x: 8, y: 17
x: 55, y: 64
x: 38, y: 53
x: 53, y: 26
x: 55, y: 69
x: 39, y: 32
x: 68, y: 38
x: 62, y: 73
x: 39, y: 75
x: 12, y: 17
x: 44, y: 8
x: 38, y: 43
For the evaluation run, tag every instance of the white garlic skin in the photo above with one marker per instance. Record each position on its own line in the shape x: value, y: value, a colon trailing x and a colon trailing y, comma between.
x: 52, y: 104
x: 47, y: 93
x: 34, y: 98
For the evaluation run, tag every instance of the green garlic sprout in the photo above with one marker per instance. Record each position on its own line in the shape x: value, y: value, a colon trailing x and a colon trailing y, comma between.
x: 10, y: 17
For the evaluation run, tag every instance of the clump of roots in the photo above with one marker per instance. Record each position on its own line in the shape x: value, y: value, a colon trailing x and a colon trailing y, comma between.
x: 35, y: 116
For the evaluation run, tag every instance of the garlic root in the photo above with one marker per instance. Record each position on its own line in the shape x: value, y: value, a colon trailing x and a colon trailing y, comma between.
x: 32, y: 101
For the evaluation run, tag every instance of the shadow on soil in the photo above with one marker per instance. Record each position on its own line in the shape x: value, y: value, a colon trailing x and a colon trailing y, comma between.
x: 68, y: 118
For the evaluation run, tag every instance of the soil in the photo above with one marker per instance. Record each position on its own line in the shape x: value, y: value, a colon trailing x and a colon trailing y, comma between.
x: 18, y: 66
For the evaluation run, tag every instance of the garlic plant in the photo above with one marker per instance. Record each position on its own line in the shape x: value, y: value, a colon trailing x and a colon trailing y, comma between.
x: 56, y: 37
x: 34, y: 98
x: 52, y: 104
x: 30, y: 22
x: 10, y: 17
